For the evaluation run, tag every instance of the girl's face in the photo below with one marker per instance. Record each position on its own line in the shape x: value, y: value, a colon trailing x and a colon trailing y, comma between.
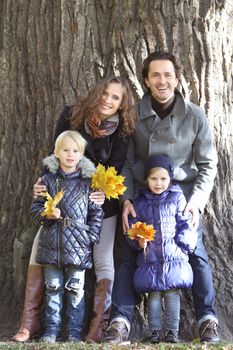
x: 158, y: 180
x: 111, y: 100
x: 68, y: 155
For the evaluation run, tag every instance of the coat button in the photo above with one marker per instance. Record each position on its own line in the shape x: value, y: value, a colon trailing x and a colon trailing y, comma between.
x: 172, y: 141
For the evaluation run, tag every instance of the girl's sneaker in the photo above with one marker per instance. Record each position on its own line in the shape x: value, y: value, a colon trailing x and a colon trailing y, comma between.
x: 152, y: 337
x: 171, y: 337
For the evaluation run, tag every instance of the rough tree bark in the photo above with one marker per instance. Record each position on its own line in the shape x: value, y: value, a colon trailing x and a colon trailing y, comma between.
x: 53, y: 50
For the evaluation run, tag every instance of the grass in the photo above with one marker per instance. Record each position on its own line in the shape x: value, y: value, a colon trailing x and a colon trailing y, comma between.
x: 134, y: 346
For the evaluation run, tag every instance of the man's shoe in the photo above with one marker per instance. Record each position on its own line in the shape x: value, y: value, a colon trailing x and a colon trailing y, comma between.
x: 171, y: 337
x: 208, y: 332
x: 152, y: 337
x: 116, y: 333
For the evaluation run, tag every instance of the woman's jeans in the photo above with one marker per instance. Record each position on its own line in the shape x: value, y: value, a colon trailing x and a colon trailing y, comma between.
x: 60, y: 282
x: 171, y: 307
x: 124, y: 296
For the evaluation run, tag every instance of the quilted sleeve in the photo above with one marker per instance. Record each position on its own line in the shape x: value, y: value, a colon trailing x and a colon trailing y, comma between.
x: 95, y: 221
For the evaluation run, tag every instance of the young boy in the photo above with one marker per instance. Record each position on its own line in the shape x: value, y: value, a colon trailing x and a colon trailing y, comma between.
x: 68, y: 234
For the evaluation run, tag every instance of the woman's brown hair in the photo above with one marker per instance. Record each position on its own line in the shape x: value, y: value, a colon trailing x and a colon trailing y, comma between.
x: 87, y: 106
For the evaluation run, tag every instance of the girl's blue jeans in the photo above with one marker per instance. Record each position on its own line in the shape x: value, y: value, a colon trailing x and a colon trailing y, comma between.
x: 64, y: 282
x: 171, y: 308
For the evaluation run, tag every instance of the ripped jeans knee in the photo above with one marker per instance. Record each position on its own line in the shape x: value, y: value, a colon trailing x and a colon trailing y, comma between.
x: 74, y: 285
x: 74, y: 282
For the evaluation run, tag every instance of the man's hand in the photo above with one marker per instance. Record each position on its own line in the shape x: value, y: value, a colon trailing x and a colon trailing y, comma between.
x: 38, y: 188
x: 97, y: 197
x: 193, y: 209
x: 128, y: 209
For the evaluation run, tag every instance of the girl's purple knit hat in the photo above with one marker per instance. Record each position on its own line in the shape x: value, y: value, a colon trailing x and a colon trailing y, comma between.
x: 159, y: 161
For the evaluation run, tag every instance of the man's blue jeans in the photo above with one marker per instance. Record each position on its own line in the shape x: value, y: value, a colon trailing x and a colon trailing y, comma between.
x: 60, y: 282
x: 124, y: 296
x: 202, y: 289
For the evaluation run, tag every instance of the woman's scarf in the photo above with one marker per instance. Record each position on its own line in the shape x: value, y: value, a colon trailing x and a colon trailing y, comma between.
x: 98, y: 128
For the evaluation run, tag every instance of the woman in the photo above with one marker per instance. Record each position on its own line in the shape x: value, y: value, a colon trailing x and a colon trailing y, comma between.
x: 105, y: 117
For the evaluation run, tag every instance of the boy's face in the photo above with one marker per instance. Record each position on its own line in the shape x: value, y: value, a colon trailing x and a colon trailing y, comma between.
x: 158, y: 180
x: 68, y: 155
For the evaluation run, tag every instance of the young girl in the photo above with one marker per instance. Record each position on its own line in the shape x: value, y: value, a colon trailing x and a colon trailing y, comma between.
x: 164, y: 268
x: 67, y: 235
x: 105, y: 117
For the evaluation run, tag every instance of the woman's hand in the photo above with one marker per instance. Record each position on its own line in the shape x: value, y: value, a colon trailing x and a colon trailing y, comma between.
x: 97, y: 197
x: 38, y: 188
x: 128, y: 209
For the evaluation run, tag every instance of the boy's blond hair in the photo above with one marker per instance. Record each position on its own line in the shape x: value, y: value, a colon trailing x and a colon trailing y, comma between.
x: 75, y: 136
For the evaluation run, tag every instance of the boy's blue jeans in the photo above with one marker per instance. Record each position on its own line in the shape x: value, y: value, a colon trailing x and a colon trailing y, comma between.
x: 64, y: 282
x: 172, y: 309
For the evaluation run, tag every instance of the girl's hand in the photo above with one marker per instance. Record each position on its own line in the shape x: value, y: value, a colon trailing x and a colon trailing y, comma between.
x: 56, y: 214
x: 143, y: 243
x: 97, y: 197
x: 38, y: 188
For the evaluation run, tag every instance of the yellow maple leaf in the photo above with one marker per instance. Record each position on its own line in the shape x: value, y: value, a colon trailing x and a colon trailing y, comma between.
x: 141, y: 230
x: 108, y: 181
x: 51, y: 203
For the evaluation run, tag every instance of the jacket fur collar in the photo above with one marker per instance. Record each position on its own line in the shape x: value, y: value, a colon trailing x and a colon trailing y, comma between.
x: 87, y: 167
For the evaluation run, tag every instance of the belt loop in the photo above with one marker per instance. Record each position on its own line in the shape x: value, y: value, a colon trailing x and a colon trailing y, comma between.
x: 66, y: 222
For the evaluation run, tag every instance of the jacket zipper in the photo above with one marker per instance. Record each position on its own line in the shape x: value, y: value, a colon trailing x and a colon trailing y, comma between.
x: 59, y: 230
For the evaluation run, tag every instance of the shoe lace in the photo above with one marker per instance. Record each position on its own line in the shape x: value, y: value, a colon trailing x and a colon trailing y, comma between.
x: 209, y: 325
x: 115, y: 327
x: 153, y: 332
x: 171, y: 332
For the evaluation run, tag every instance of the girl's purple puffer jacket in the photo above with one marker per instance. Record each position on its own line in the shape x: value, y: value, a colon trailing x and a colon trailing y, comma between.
x: 165, y: 265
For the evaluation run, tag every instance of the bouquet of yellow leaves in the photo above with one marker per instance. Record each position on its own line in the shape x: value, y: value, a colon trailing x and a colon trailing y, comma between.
x: 140, y: 230
x: 108, y: 181
x: 51, y: 203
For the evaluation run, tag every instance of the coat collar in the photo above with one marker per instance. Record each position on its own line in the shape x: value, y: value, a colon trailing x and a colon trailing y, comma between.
x: 87, y: 167
x: 145, y: 107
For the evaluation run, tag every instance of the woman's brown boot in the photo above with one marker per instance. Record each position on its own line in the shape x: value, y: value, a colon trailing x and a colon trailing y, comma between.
x: 32, y: 304
x: 101, y: 310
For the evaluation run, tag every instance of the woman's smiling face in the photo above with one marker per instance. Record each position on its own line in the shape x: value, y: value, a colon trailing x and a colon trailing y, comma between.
x: 111, y: 100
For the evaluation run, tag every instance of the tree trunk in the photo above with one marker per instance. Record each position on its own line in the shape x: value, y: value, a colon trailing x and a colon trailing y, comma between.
x: 52, y: 51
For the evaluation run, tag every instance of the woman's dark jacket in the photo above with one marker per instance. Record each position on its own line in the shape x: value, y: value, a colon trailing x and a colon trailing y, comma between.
x: 166, y: 264
x: 109, y: 151
x: 69, y: 241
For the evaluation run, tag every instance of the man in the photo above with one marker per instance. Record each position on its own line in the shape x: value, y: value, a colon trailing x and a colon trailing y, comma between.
x: 168, y: 125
